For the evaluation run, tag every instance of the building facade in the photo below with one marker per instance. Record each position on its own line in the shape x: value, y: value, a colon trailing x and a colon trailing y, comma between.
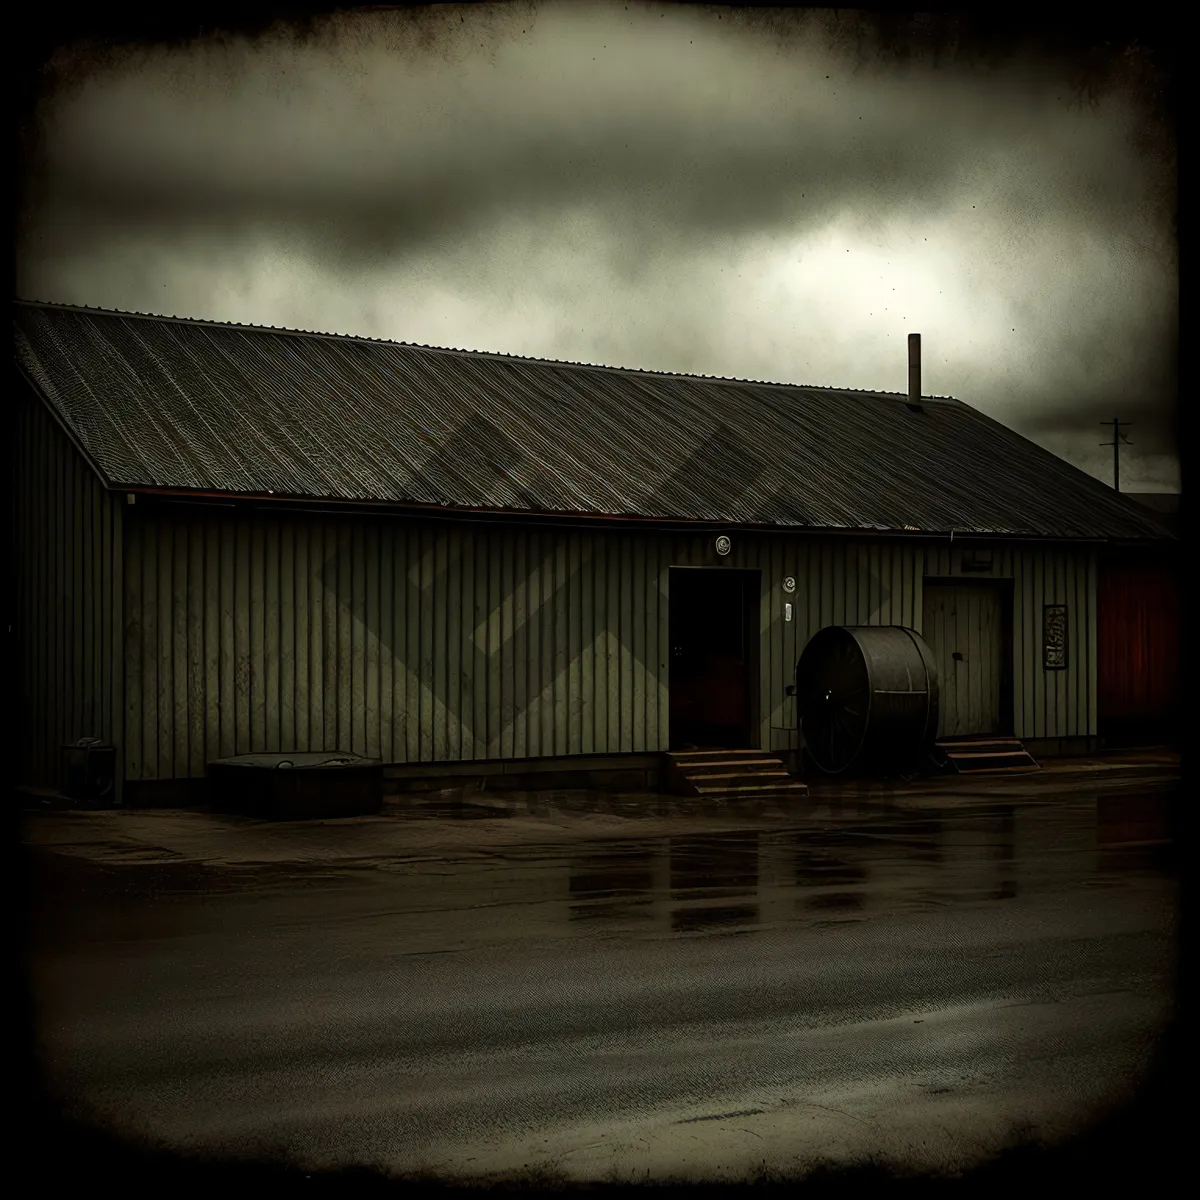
x: 187, y: 624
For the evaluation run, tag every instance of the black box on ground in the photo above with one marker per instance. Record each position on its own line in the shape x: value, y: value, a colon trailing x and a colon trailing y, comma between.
x: 89, y: 773
x: 296, y: 787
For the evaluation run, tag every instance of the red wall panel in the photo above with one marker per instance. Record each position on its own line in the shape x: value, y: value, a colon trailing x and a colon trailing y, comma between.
x: 1138, y: 636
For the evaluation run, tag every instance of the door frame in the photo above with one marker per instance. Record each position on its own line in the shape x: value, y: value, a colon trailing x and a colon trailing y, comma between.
x: 752, y: 602
x: 1004, y: 588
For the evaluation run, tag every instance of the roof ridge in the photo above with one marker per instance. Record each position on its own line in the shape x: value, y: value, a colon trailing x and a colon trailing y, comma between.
x: 458, y: 350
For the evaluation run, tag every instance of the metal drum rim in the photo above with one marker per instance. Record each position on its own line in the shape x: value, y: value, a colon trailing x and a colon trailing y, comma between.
x: 930, y: 693
x: 841, y: 632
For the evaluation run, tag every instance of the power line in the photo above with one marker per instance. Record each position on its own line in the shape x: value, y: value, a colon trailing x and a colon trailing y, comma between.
x: 1119, y: 439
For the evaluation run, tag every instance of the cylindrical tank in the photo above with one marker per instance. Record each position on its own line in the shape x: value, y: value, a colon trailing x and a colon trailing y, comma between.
x: 867, y: 698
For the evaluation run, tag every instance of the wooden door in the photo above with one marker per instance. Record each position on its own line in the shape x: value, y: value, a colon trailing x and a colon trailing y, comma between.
x: 964, y: 628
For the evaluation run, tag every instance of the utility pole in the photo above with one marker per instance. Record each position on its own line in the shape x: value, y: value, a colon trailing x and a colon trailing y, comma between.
x: 1118, y: 439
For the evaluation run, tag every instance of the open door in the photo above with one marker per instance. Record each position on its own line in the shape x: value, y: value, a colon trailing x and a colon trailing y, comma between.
x: 714, y: 658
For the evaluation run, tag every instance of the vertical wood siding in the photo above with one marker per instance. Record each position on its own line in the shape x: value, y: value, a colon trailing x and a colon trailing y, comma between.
x: 428, y: 642
x: 403, y: 641
x: 67, y: 561
x: 1046, y: 704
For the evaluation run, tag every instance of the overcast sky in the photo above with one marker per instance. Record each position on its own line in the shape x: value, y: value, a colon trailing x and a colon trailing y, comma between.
x: 669, y: 188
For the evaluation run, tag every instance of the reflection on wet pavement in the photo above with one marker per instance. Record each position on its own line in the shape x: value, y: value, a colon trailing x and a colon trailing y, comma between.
x: 715, y: 867
x: 1012, y: 961
x: 713, y: 883
x: 608, y: 885
x: 1133, y: 833
x: 831, y: 881
x: 732, y: 917
x: 986, y: 854
x: 1122, y: 820
x: 718, y: 865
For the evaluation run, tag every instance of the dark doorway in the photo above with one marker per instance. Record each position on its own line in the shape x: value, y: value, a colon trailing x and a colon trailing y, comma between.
x: 714, y: 657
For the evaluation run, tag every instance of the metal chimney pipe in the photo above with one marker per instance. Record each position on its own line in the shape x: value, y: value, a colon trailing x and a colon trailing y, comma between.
x: 914, y: 370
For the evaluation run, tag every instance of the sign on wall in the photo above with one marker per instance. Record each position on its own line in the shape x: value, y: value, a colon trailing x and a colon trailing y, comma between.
x: 1054, y: 637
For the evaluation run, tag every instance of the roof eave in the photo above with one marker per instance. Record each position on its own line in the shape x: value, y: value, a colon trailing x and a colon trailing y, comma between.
x: 70, y: 433
x: 590, y: 519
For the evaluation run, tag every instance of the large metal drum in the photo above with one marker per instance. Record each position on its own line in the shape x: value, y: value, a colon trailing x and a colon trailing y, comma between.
x: 867, y: 699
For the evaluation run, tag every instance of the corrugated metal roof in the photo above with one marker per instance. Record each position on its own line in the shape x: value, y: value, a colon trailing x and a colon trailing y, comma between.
x: 180, y: 404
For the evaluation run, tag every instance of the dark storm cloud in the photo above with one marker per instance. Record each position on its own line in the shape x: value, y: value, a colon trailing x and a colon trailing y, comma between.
x: 672, y: 126
x: 613, y: 185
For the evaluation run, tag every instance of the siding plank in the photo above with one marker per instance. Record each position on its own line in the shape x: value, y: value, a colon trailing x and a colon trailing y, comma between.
x: 312, y: 670
x: 1020, y: 656
x: 612, y: 657
x: 522, y: 616
x: 193, y: 619
x: 639, y: 602
x: 229, y: 685
x: 505, y: 601
x: 271, y: 699
x: 588, y: 708
x: 243, y: 743
x: 135, y: 642
x: 560, y: 645
x: 473, y: 683
x: 481, y: 632
x: 1090, y: 645
x: 177, y: 694
x: 258, y: 638
x: 287, y: 637
x: 333, y: 656
x: 493, y: 713
x: 116, y: 664
x: 452, y: 640
x: 163, y: 649
x: 211, y: 537
x: 360, y: 715
x: 1042, y: 686
x: 387, y: 642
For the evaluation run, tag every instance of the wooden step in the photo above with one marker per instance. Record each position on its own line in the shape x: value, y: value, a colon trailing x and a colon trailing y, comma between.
x: 708, y: 764
x: 703, y: 756
x: 987, y: 754
x: 759, y: 774
x: 980, y: 739
x: 1013, y: 770
x: 720, y: 775
x: 984, y: 755
x: 792, y: 785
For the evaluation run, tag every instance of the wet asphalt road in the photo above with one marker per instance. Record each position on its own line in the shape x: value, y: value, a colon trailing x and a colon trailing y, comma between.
x: 917, y: 986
